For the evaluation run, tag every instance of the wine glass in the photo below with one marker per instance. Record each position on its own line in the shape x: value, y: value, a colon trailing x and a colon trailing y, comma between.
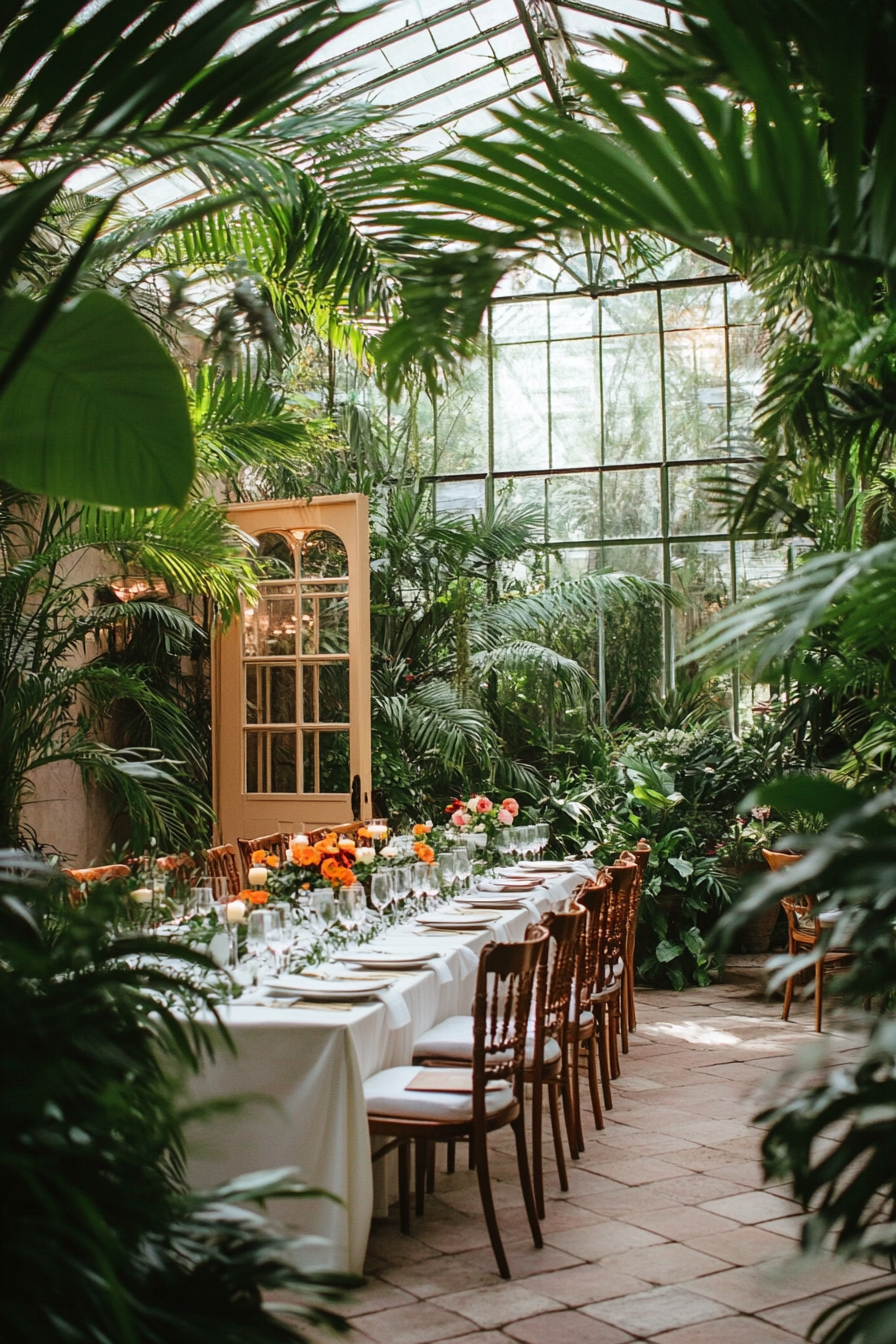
x: 543, y: 832
x: 323, y: 906
x: 447, y: 871
x: 420, y: 880
x: 403, y: 882
x: 432, y: 879
x: 463, y: 867
x: 256, y: 934
x: 203, y: 900
x: 352, y: 906
x: 278, y: 938
x: 382, y: 888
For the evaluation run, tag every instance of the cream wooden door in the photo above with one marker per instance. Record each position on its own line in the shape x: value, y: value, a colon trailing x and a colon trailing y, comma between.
x: 291, y: 678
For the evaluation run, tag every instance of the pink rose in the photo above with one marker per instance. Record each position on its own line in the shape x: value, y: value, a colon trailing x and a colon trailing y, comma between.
x: 459, y: 818
x: 483, y: 804
x: 505, y: 817
x: 512, y: 806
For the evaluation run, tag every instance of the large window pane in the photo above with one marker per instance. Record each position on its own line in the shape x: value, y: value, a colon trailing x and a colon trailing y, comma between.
x: 623, y: 314
x: 575, y: 404
x: 521, y: 407
x: 644, y: 560
x: 702, y: 306
x: 514, y: 492
x: 462, y: 426
x: 632, y: 504
x: 633, y: 424
x: 746, y: 345
x: 513, y: 322
x: 701, y: 573
x: 689, y: 508
x: 574, y: 508
x: 574, y: 317
x: 744, y: 307
x: 460, y: 499
x: 696, y: 393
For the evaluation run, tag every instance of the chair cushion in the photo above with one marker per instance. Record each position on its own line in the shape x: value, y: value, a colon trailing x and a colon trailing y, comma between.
x: 384, y: 1094
x: 585, y: 1017
x: 453, y: 1039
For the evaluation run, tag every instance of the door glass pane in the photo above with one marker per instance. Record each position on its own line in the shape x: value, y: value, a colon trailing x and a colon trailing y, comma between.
x: 324, y: 624
x: 633, y: 424
x: 325, y: 693
x: 274, y: 548
x: 270, y: 762
x: 325, y: 763
x: 270, y: 694
x: 270, y: 628
x: 323, y: 556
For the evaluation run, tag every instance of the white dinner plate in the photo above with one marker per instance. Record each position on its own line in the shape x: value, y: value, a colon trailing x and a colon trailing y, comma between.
x: 308, y: 987
x: 460, y: 920
x: 509, y: 885
x: 547, y: 866
x: 493, y: 903
x: 391, y: 961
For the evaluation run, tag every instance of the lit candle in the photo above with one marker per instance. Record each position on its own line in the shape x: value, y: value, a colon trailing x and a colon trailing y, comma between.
x: 142, y: 895
x: 235, y: 911
x: 258, y: 875
x: 376, y: 832
x: 299, y: 840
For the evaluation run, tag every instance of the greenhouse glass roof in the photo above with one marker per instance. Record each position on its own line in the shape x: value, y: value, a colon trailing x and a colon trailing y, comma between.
x: 435, y: 71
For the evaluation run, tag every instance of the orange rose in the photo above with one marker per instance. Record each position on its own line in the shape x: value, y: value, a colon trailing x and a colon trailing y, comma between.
x: 425, y: 853
x: 306, y: 855
x: 257, y: 896
x: 363, y: 833
x: 346, y: 859
x: 329, y: 868
x: 306, y: 886
x: 272, y: 861
x: 259, y: 855
x: 344, y: 877
x: 421, y: 829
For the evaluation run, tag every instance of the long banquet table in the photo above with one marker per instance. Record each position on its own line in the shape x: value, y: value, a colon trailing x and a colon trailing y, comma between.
x: 301, y: 1072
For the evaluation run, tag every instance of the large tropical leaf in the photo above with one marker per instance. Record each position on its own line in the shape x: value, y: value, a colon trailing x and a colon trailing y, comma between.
x: 97, y: 411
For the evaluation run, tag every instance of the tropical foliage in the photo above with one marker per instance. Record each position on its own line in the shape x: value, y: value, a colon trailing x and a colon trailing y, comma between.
x: 104, y: 1238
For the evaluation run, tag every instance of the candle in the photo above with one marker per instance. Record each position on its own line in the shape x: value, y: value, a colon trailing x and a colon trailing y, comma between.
x: 299, y: 840
x: 235, y: 911
x: 258, y: 875
x: 142, y: 895
x: 376, y: 832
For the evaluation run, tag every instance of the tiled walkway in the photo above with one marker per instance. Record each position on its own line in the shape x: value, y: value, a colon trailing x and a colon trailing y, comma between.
x: 666, y: 1234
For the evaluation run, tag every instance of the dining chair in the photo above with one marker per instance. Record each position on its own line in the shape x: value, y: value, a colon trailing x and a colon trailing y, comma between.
x: 344, y: 828
x: 81, y: 877
x: 493, y: 1095
x: 624, y: 876
x: 273, y: 844
x: 641, y: 855
x: 591, y: 897
x: 221, y: 862
x: 547, y: 1066
x: 804, y: 931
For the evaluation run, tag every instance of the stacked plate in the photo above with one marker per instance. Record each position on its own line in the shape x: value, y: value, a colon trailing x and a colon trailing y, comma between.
x: 338, y: 989
x: 455, y: 920
x: 546, y: 866
x: 387, y: 961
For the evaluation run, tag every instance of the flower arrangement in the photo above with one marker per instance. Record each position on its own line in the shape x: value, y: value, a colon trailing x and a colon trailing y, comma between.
x: 329, y: 862
x: 478, y: 815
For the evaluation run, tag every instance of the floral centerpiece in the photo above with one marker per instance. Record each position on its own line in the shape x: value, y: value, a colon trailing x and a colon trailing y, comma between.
x: 480, y: 817
x: 330, y: 862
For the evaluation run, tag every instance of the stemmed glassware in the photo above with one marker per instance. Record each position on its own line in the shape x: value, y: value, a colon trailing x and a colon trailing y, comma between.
x: 203, y: 900
x: 447, y: 870
x: 382, y: 889
x: 463, y: 867
x: 543, y: 832
x: 256, y: 934
x: 278, y: 937
x: 404, y: 881
x: 420, y: 880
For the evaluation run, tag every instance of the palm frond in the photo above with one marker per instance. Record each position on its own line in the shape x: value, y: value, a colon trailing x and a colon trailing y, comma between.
x: 587, y: 596
x: 526, y: 657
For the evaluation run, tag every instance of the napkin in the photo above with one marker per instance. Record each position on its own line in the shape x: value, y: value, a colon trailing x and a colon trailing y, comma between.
x: 397, y: 1010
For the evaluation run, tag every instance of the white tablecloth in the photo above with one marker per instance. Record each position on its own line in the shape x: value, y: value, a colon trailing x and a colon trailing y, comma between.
x: 301, y: 1071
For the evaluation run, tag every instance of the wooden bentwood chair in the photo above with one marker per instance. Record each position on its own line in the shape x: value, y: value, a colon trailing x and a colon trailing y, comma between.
x: 82, y: 877
x: 804, y: 932
x: 221, y: 862
x: 273, y: 844
x: 504, y: 990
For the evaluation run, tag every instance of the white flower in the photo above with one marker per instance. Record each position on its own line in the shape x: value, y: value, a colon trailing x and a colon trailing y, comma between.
x: 390, y: 852
x: 366, y: 854
x: 479, y: 828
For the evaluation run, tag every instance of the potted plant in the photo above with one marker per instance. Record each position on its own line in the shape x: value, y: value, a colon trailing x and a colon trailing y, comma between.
x: 739, y: 853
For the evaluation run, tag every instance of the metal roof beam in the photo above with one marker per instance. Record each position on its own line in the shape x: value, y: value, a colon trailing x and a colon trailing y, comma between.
x: 612, y: 15
x: 469, y: 78
x: 465, y: 112
x: 436, y: 56
x: 420, y: 27
x: 540, y: 55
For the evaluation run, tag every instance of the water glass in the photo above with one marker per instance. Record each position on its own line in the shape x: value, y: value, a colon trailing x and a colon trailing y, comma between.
x: 463, y: 866
x: 352, y: 906
x: 447, y: 870
x: 543, y: 832
x: 323, y: 905
x: 279, y: 938
x: 420, y: 879
x: 382, y: 889
x: 203, y: 900
x: 256, y: 933
x: 403, y: 882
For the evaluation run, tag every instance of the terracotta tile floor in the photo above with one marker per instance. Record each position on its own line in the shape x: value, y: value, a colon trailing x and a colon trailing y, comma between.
x: 666, y: 1234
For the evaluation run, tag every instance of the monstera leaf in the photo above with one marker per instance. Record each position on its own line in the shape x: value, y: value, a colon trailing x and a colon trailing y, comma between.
x: 96, y: 410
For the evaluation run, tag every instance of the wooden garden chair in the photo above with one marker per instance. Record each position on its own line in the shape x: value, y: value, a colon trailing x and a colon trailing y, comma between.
x: 804, y: 931
x: 82, y: 877
x: 221, y: 862
x: 504, y: 990
x: 591, y: 897
x: 278, y: 844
